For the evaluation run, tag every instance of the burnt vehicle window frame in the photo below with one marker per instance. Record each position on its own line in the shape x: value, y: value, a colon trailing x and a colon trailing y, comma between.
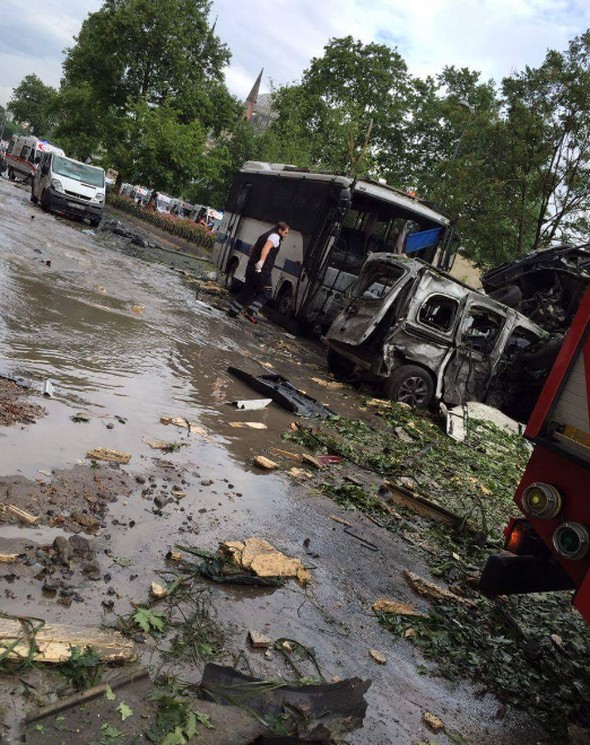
x: 361, y: 287
x: 464, y: 329
x: 448, y: 330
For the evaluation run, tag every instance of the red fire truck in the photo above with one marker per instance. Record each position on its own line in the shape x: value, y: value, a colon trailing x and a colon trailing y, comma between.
x: 549, y: 548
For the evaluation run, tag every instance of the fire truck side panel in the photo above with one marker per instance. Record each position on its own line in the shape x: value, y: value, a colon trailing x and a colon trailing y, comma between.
x: 573, y: 483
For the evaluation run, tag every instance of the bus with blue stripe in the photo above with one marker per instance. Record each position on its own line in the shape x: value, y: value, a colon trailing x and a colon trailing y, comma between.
x: 336, y: 222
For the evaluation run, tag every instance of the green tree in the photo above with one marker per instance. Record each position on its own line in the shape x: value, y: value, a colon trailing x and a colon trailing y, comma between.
x: 343, y: 114
x: 31, y: 103
x: 142, y: 70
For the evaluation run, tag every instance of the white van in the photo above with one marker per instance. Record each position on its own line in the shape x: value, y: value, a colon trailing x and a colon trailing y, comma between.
x: 24, y: 154
x: 69, y: 187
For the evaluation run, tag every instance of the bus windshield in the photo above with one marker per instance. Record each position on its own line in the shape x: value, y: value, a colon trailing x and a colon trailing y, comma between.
x: 79, y: 171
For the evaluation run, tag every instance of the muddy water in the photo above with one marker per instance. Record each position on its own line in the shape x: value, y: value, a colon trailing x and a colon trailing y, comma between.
x: 128, y: 342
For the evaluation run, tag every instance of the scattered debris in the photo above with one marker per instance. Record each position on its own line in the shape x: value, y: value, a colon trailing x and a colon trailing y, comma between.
x: 158, y: 591
x: 340, y: 520
x: 283, y: 393
x: 266, y: 463
x: 258, y: 640
x: 434, y: 723
x: 318, y: 713
x: 252, y: 404
x: 364, y: 542
x: 286, y: 454
x: 377, y: 656
x: 167, y: 447
x: 248, y: 425
x: 332, y: 385
x: 80, y: 417
x: 33, y: 639
x: 108, y: 454
x: 395, y: 607
x: 265, y: 560
x: 181, y: 422
x: 421, y: 505
x: 48, y: 389
x: 8, y: 558
x: 458, y: 416
x: 300, y: 474
x: 22, y: 515
x: 431, y: 590
x: 311, y: 460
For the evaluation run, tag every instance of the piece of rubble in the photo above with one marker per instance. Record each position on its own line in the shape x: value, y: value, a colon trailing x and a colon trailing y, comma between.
x: 395, y: 607
x: 433, y: 591
x: 307, y: 458
x: 252, y: 404
x: 434, y: 723
x: 22, y: 515
x: 258, y: 640
x: 8, y: 558
x: 158, y: 591
x: 178, y: 493
x: 109, y: 454
x: 377, y: 656
x: 340, y: 520
x: 53, y: 643
x: 332, y: 385
x: 286, y: 454
x: 262, y: 558
x: 265, y: 463
x: 179, y: 421
x: 174, y: 555
x: 159, y: 444
x: 248, y: 425
x: 87, y: 521
x: 300, y: 474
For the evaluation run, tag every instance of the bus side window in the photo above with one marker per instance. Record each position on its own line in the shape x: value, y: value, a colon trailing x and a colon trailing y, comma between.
x: 24, y: 153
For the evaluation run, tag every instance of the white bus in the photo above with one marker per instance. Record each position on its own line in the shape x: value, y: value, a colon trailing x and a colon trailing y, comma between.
x: 335, y: 223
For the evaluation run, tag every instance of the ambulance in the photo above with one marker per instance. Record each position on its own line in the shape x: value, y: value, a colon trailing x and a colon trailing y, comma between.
x: 24, y: 155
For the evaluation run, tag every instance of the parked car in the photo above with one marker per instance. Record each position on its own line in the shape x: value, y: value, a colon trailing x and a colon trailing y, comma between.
x: 422, y: 336
x: 546, y: 285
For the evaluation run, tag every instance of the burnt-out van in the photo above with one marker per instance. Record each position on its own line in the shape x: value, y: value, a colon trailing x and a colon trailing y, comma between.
x: 422, y: 336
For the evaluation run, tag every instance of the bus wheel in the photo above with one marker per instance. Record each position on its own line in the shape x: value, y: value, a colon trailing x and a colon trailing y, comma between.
x: 34, y: 199
x: 412, y: 385
x: 11, y: 174
x: 285, y: 303
x: 231, y: 282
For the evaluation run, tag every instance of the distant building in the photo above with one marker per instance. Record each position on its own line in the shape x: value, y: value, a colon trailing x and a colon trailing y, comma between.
x: 257, y: 107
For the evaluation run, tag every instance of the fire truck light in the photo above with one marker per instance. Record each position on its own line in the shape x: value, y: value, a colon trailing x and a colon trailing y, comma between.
x: 541, y: 500
x: 514, y: 538
x: 572, y: 540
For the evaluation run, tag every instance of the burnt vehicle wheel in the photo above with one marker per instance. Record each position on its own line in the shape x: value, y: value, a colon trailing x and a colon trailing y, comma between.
x: 511, y: 295
x: 338, y: 365
x: 34, y: 199
x: 411, y: 385
x: 11, y: 175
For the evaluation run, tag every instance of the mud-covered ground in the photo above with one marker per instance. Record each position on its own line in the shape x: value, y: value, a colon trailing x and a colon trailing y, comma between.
x: 128, y: 334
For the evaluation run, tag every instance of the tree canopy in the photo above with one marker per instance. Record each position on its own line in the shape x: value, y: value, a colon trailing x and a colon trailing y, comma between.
x: 143, y: 90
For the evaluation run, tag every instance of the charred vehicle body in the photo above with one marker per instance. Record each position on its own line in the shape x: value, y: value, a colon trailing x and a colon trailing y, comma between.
x: 423, y: 336
x: 545, y: 285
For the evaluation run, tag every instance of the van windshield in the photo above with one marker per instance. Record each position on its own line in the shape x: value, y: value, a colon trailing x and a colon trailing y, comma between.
x: 79, y: 171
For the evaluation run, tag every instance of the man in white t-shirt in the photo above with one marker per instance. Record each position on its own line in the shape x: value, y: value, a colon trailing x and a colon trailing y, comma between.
x: 258, y: 286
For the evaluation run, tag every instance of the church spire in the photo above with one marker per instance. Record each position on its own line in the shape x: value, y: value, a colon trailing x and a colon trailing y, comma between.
x: 253, y: 96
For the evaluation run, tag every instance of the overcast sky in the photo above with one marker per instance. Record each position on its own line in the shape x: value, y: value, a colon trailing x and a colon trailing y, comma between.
x: 495, y: 37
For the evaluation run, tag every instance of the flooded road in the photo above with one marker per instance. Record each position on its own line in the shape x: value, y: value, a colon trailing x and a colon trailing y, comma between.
x: 126, y: 342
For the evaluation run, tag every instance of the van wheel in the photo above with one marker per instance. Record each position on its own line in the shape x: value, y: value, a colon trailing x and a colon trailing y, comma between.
x: 94, y: 222
x: 410, y: 384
